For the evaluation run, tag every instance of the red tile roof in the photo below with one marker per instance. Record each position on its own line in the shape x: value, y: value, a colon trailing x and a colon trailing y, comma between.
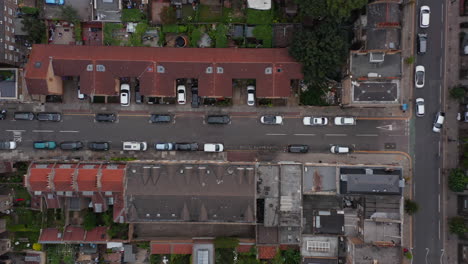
x: 73, y: 233
x: 38, y: 179
x: 50, y: 235
x: 158, y: 68
x: 63, y: 179
x: 267, y: 252
x: 184, y: 249
x: 87, y: 179
x: 96, y: 235
x: 244, y: 248
x: 160, y: 248
x: 112, y: 180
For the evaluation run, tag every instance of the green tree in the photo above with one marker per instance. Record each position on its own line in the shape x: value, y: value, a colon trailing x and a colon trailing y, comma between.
x: 90, y: 221
x: 322, y: 51
x: 291, y: 256
x: 35, y: 28
x: 457, y: 225
x: 409, y: 60
x: 70, y: 14
x: 457, y: 180
x: 338, y: 10
x: 457, y: 92
x: 411, y: 207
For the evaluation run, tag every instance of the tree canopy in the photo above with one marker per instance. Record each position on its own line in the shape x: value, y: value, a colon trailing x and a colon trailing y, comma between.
x: 457, y: 180
x: 457, y: 225
x: 338, y: 10
x: 35, y: 28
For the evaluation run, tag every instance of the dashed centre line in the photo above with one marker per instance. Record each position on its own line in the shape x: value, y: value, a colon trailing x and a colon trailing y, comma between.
x: 69, y: 131
x: 276, y: 134
x: 336, y: 135
x: 310, y: 135
x: 43, y: 131
x: 367, y: 135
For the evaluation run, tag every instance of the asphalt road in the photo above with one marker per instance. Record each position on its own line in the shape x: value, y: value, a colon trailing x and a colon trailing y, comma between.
x: 244, y: 132
x: 428, y: 242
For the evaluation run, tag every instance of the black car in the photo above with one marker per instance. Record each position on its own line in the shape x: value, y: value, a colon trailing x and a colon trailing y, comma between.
x: 24, y: 116
x: 195, y: 101
x: 298, y: 148
x: 56, y: 117
x: 3, y: 114
x: 105, y: 117
x: 99, y: 146
x: 186, y: 146
x: 71, y: 145
x: 218, y: 119
x: 155, y: 118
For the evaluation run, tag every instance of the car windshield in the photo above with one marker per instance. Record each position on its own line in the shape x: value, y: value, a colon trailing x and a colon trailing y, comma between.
x: 270, y: 119
x: 419, y: 77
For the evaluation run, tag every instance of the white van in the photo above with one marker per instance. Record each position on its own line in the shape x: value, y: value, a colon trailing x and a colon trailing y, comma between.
x: 213, y: 147
x: 135, y: 146
x: 339, y: 150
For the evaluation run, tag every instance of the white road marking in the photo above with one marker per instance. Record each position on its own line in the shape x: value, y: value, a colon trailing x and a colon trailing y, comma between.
x: 439, y: 176
x: 69, y: 131
x: 440, y: 92
x: 366, y: 135
x: 439, y: 203
x: 276, y: 134
x: 442, y: 16
x: 441, y: 39
x: 42, y: 131
x: 439, y: 229
x: 336, y: 135
x: 15, y: 130
x: 304, y: 134
x: 440, y: 67
x: 387, y: 127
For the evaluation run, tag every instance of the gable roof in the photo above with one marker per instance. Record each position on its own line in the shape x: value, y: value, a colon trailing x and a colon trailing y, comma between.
x: 158, y: 68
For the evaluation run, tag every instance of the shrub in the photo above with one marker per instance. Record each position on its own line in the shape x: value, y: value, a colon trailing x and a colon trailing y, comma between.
x: 409, y: 60
x: 457, y: 180
x: 170, y: 28
x: 29, y: 10
x: 182, y: 29
x: 411, y: 207
x: 195, y: 36
x: 37, y: 246
x: 220, y: 36
x: 90, y: 221
x: 457, y: 92
x: 457, y: 225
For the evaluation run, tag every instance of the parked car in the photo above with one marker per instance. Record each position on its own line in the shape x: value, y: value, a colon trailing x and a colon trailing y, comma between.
x: 181, y: 96
x: 7, y: 145
x: 298, y: 148
x: 195, y: 97
x: 156, y: 118
x: 99, y: 146
x: 424, y: 14
x: 71, y: 145
x: 422, y: 43
x: 125, y: 94
x: 345, y: 121
x: 80, y: 95
x: 105, y: 117
x: 419, y: 76
x: 314, y: 121
x: 45, y: 145
x: 213, y: 147
x: 420, y: 107
x: 438, y: 122
x: 3, y: 114
x: 136, y: 146
x: 271, y: 120
x: 24, y: 116
x: 218, y: 119
x: 339, y: 149
x: 138, y: 96
x: 251, y: 95
x: 186, y: 146
x: 56, y: 117
x: 164, y: 146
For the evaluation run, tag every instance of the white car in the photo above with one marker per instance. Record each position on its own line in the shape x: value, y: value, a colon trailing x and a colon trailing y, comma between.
x: 271, y: 120
x: 420, y: 107
x: 425, y: 13
x: 7, y: 145
x: 80, y: 95
x: 438, y: 122
x: 213, y: 147
x: 345, y: 121
x: 181, y: 95
x: 251, y: 95
x: 314, y: 121
x: 125, y: 94
x: 339, y: 149
x: 419, y: 76
x: 136, y: 146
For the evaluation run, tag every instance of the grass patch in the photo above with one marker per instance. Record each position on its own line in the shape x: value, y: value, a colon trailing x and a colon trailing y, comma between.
x: 63, y: 253
x: 136, y: 38
x: 204, y: 14
x: 133, y: 15
x: 259, y: 17
x: 220, y: 36
x: 170, y: 28
x: 230, y: 17
x: 265, y: 34
x: 109, y: 29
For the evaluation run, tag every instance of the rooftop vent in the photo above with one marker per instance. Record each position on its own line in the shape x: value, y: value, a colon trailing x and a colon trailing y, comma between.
x: 161, y: 69
x: 38, y: 64
x: 268, y: 70
x: 90, y: 67
x: 376, y: 57
x: 209, y: 70
x: 100, y: 68
x: 219, y: 70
